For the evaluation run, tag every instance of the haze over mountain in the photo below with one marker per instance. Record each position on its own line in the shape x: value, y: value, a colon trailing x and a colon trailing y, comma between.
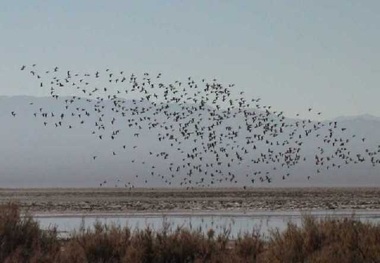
x: 35, y: 155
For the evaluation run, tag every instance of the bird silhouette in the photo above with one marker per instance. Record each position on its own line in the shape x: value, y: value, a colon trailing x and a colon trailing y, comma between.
x: 211, y: 129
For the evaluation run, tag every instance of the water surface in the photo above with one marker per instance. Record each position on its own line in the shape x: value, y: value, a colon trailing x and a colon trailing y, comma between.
x: 235, y: 223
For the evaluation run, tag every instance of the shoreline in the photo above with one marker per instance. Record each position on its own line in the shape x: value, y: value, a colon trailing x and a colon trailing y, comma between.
x: 230, y: 214
x: 121, y: 201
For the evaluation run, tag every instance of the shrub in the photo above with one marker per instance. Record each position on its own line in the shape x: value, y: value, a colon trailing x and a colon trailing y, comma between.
x: 22, y: 240
x: 324, y: 240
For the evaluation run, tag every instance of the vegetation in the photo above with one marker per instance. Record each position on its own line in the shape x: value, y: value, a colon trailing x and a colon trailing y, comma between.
x: 327, y: 240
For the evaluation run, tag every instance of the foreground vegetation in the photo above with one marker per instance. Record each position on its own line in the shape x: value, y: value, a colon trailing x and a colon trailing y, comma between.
x: 327, y: 240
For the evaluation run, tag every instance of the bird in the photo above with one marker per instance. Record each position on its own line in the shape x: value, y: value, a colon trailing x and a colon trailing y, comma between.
x: 204, y: 132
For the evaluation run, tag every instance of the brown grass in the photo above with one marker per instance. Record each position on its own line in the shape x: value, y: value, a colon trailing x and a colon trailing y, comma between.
x: 22, y: 240
x: 327, y: 240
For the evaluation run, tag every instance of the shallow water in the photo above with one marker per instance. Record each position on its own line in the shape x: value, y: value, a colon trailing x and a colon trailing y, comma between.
x: 235, y: 223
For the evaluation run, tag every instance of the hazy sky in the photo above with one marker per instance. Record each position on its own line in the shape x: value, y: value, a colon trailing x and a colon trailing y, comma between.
x: 292, y: 54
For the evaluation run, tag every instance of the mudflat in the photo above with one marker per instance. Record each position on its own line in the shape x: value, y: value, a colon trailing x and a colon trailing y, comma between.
x: 116, y: 200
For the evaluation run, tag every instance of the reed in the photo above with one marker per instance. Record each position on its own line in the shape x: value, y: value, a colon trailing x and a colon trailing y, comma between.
x: 323, y: 240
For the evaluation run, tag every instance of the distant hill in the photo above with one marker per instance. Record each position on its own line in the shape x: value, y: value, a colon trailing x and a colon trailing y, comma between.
x: 35, y: 155
x: 366, y: 117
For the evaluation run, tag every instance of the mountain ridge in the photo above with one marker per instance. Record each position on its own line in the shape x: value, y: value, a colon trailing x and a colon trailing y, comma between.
x: 34, y: 155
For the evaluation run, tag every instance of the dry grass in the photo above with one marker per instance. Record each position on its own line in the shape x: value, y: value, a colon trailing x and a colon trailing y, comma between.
x: 22, y: 240
x: 327, y: 240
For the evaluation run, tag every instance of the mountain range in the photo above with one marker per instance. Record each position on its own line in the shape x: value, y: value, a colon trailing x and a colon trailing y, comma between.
x: 35, y: 155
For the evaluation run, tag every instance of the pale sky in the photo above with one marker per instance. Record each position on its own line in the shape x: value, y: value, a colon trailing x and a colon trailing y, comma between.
x: 293, y: 54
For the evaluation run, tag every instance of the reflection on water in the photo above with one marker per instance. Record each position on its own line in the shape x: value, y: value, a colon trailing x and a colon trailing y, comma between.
x: 235, y: 223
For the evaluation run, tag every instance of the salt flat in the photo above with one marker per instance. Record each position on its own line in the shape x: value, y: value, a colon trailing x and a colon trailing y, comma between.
x: 117, y: 200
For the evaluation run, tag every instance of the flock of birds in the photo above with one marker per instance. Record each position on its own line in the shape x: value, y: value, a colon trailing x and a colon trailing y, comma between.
x: 216, y: 136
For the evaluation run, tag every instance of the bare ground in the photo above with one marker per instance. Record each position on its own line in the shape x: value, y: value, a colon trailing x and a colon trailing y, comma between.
x: 92, y: 200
